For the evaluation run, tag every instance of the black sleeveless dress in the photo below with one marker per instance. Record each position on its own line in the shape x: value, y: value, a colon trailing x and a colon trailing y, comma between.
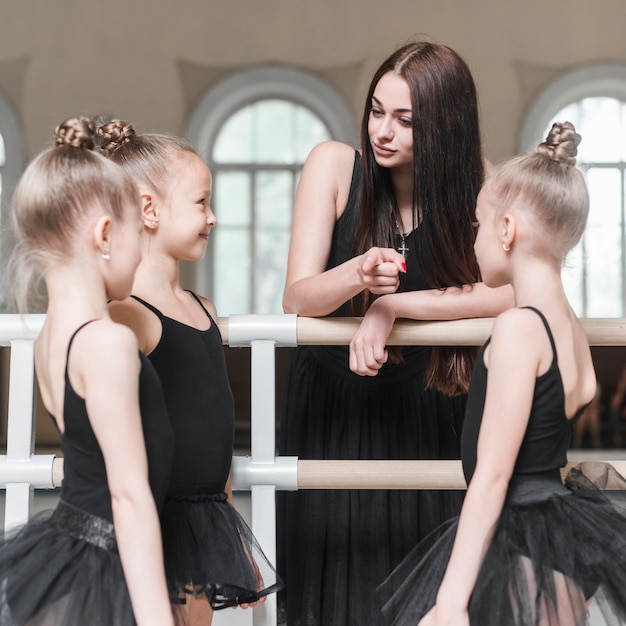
x: 63, y: 567
x: 336, y: 546
x: 208, y: 547
x: 554, y: 544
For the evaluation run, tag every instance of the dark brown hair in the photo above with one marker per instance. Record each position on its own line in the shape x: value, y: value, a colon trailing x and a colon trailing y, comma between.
x: 448, y: 174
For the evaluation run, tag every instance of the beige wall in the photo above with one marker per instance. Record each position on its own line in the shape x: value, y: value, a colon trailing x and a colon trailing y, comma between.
x: 148, y: 60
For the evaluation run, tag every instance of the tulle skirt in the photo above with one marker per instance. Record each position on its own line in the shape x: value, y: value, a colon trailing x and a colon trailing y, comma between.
x: 210, y: 550
x: 62, y: 568
x: 336, y: 546
x: 555, y: 548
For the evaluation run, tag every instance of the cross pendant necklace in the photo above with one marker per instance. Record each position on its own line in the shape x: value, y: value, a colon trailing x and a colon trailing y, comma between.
x: 402, y: 248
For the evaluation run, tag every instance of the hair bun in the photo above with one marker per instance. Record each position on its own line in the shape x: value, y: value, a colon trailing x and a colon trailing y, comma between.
x: 561, y: 144
x: 113, y: 134
x: 77, y: 132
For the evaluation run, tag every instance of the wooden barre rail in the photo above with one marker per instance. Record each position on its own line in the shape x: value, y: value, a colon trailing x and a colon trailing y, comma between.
x: 339, y: 331
x: 466, y: 332
x: 396, y: 474
x: 377, y: 474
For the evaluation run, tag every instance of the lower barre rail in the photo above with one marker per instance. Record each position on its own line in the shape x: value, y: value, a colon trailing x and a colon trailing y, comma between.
x: 290, y: 474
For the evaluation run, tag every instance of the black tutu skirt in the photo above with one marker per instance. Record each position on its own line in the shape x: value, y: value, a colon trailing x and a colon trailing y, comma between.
x: 210, y: 550
x: 555, y: 548
x: 62, y: 568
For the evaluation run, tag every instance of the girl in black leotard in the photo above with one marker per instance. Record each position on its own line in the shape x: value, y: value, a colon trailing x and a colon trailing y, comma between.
x: 96, y: 559
x: 526, y: 549
x: 210, y: 553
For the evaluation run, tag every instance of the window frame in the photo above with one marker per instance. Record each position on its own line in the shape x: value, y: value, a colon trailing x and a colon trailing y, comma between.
x: 594, y: 80
x: 12, y: 134
x: 251, y: 85
x: 587, y: 81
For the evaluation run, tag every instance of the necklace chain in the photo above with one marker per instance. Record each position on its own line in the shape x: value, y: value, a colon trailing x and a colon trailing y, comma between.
x: 402, y: 248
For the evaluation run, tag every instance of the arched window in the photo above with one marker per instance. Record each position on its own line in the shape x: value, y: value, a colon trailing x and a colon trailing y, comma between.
x: 255, y: 130
x: 11, y: 163
x: 593, y: 98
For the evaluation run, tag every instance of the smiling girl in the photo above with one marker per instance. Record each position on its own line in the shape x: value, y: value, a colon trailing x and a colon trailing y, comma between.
x: 212, y: 559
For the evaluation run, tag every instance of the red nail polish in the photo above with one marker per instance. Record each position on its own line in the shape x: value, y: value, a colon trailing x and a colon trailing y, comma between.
x: 404, y: 267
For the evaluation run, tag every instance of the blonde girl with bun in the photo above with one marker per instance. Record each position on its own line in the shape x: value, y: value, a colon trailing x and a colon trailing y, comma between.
x: 526, y: 549
x: 96, y: 558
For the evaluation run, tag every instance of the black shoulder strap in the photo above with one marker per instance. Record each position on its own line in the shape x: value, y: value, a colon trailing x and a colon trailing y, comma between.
x: 197, y: 299
x: 149, y: 306
x: 547, y: 327
x: 69, y: 345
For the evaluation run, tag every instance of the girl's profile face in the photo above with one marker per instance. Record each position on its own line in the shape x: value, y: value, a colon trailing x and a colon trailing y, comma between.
x: 189, y: 218
x: 488, y: 244
x: 390, y: 124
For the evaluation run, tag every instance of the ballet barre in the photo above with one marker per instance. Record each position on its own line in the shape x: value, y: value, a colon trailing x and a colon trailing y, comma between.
x: 339, y: 331
x: 289, y: 473
x: 261, y: 473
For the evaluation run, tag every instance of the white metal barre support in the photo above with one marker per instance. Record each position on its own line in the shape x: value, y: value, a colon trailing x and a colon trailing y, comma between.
x: 20, y: 430
x: 263, y: 333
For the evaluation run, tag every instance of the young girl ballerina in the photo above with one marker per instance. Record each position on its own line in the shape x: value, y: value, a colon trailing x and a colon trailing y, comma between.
x: 526, y: 549
x: 210, y: 553
x: 97, y: 558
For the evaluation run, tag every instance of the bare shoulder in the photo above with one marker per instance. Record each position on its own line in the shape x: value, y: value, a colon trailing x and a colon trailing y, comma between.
x: 141, y: 320
x: 336, y: 151
x: 334, y: 158
x: 208, y: 305
x: 108, y: 336
x: 325, y: 182
x: 103, y: 353
x: 520, y: 331
x: 516, y: 321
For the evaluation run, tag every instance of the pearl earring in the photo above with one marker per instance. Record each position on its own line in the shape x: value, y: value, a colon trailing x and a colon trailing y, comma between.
x: 153, y: 224
x: 106, y: 255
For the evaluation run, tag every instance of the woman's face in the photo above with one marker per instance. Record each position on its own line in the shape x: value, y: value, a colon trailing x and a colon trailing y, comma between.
x: 390, y: 124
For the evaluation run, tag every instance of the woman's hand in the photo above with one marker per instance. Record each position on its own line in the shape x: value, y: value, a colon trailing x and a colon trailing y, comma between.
x: 367, y: 348
x: 379, y: 270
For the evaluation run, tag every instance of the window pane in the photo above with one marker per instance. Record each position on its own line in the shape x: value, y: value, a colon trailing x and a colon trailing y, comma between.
x: 621, y: 138
x: 274, y: 197
x: 231, y: 201
x: 267, y: 141
x: 234, y: 141
x: 605, y: 197
x: 568, y: 114
x: 600, y: 120
x: 231, y: 271
x: 310, y: 131
x: 275, y: 131
x: 272, y: 247
x: 595, y: 283
x: 603, y: 269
